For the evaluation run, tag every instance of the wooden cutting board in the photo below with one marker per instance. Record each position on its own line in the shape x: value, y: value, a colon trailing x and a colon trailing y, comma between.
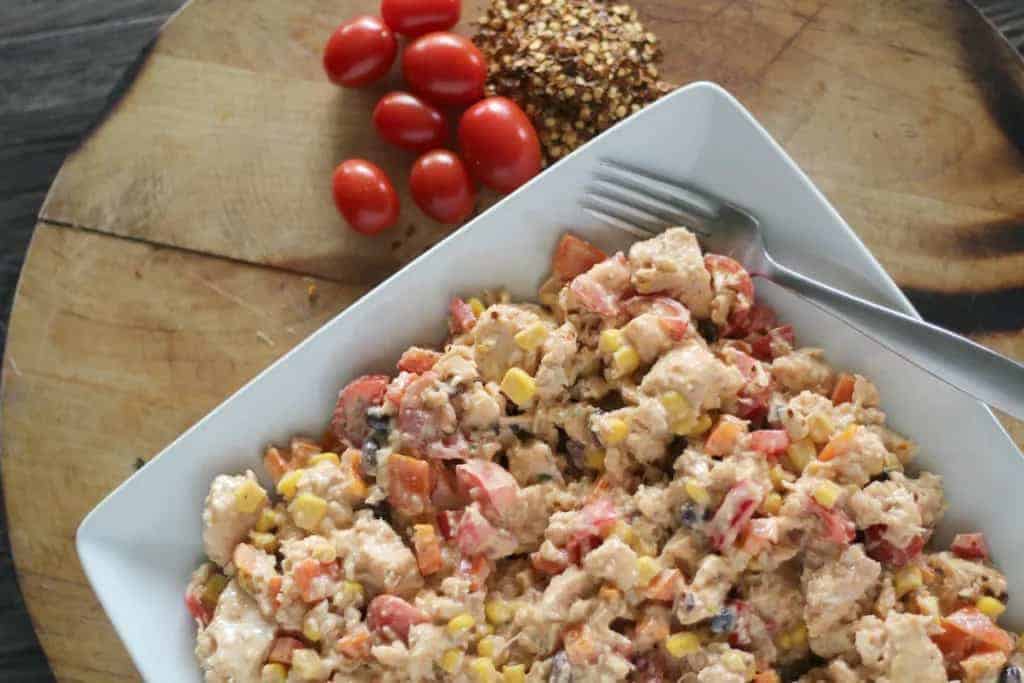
x: 191, y: 240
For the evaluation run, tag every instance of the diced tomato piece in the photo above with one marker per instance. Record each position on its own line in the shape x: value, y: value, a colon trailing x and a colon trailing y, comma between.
x: 970, y: 546
x: 579, y: 645
x: 745, y: 363
x: 476, y: 569
x: 672, y: 315
x: 575, y: 256
x: 732, y: 515
x: 770, y: 442
x: 969, y: 630
x: 724, y: 436
x: 275, y: 464
x: 838, y: 527
x: 314, y: 578
x: 349, y: 420
x: 282, y: 648
x: 408, y: 484
x: 594, y: 522
x: 451, y: 447
x: 593, y: 296
x: 476, y: 536
x: 843, y: 391
x: 197, y: 609
x: 762, y: 346
x: 882, y: 550
x: 761, y: 319
x: 462, y: 317
x: 417, y: 360
x: 839, y: 444
x: 759, y: 534
x: 490, y: 484
x: 355, y: 645
x: 665, y: 586
x: 428, y: 548
x: 394, y: 613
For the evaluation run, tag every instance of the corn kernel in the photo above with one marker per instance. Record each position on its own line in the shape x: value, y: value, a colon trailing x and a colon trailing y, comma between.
x: 460, y: 624
x: 214, y: 587
x: 683, y: 426
x: 702, y: 425
x: 624, y: 532
x: 827, y: 493
x: 514, y: 673
x: 801, y: 453
x: 625, y: 361
x: 697, y: 493
x: 483, y: 670
x: 325, y: 552
x: 616, y: 431
x: 273, y: 673
x: 794, y: 638
x: 265, y: 541
x: 498, y: 612
x: 307, y: 510
x: 778, y: 476
x: 451, y: 660
x: 249, y: 496
x: 772, y: 503
x: 324, y: 457
x: 519, y: 386
x: 532, y: 337
x: 676, y: 406
x: 990, y: 606
x: 353, y: 590
x: 733, y: 661
x: 289, y: 483
x: 906, y: 580
x: 269, y: 520
x: 610, y: 341
x: 311, y: 630
x: 682, y: 644
x: 647, y: 568
x: 928, y: 604
x: 486, y: 647
x: 594, y: 459
x: 820, y: 427
x: 476, y: 306
x: 306, y: 664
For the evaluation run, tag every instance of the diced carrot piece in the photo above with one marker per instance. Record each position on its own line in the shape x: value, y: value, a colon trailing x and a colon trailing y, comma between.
x: 428, y: 549
x: 275, y: 463
x: 843, y: 391
x: 575, y: 256
x: 839, y: 444
x: 408, y: 484
x: 306, y: 573
x: 724, y: 436
x: 355, y: 645
x: 665, y: 586
x: 282, y: 648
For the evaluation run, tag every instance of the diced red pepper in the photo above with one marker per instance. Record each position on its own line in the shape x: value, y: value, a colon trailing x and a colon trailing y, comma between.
x: 349, y: 419
x: 838, y: 527
x: 490, y: 484
x: 732, y: 515
x: 970, y: 546
x: 885, y: 552
x: 843, y: 391
x: 761, y: 319
x: 575, y: 256
x: 462, y: 317
x: 447, y: 522
x: 408, y: 484
x: 762, y: 345
x: 417, y: 360
x: 394, y: 613
x: 769, y: 442
x: 197, y: 609
x: 282, y: 648
x: 968, y: 631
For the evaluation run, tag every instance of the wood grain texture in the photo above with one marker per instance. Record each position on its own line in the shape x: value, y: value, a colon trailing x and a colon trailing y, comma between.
x: 222, y: 150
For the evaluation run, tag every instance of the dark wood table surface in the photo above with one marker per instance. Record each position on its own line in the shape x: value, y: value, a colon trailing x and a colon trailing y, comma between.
x: 60, y: 61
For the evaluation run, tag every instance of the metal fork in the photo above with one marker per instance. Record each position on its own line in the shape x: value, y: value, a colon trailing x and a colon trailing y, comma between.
x: 645, y: 204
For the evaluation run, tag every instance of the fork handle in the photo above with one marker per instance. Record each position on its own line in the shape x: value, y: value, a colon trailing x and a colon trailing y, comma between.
x: 960, y: 362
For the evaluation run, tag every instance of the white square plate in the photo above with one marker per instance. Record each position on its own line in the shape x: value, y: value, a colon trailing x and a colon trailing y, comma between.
x: 699, y: 134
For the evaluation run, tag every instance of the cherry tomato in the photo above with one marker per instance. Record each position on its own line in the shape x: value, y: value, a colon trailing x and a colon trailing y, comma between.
x: 365, y: 196
x: 359, y: 52
x: 408, y: 122
x: 445, y: 68
x: 413, y: 18
x: 499, y: 144
x: 441, y: 187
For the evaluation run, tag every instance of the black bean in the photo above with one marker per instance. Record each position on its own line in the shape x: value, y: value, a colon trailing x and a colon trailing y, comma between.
x: 691, y: 514
x: 689, y: 602
x: 1011, y: 674
x: 520, y: 432
x: 724, y: 621
x: 369, y: 458
x: 708, y: 330
x: 378, y: 423
x: 577, y: 453
x: 561, y: 669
